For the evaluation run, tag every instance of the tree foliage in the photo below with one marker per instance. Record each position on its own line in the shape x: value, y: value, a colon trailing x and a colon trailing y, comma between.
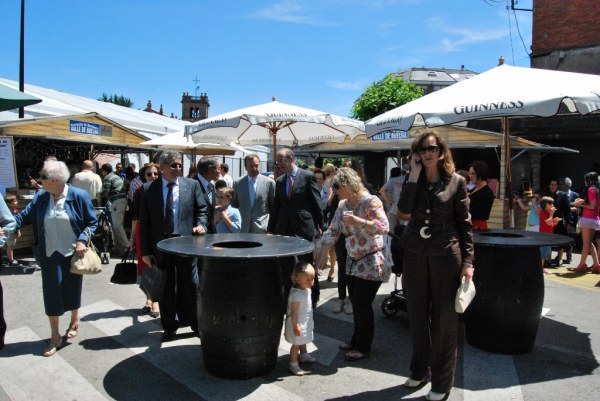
x: 116, y: 99
x: 383, y: 96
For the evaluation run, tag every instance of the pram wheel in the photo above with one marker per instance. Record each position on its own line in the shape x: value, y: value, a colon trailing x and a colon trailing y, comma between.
x: 390, y: 306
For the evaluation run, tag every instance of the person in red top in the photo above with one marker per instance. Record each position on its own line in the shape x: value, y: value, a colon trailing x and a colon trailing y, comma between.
x: 547, y: 223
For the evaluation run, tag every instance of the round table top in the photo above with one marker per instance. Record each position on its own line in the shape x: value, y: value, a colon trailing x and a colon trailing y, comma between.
x: 518, y: 238
x: 236, y: 246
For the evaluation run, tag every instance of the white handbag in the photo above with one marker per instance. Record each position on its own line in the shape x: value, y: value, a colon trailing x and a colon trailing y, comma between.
x: 464, y: 295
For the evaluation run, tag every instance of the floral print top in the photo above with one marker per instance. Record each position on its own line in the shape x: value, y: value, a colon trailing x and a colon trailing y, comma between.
x: 366, y: 258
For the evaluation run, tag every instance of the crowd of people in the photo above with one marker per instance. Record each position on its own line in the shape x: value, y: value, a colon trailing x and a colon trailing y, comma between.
x: 432, y: 206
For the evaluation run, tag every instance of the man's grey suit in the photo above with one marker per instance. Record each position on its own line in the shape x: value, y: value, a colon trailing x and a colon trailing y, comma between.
x: 179, y: 296
x: 255, y: 218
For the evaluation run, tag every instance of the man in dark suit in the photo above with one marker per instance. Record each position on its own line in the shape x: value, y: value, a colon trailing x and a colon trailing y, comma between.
x: 170, y: 207
x: 296, y: 210
x: 208, y: 173
x: 254, y: 195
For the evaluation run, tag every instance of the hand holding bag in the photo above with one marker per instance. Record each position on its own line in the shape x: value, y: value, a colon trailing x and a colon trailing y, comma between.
x: 464, y: 295
x: 126, y: 271
x: 90, y: 262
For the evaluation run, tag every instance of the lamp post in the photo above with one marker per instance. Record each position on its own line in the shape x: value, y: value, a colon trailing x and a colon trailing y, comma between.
x: 22, y: 58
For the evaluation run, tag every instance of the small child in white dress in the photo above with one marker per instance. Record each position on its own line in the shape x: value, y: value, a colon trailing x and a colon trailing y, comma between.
x: 299, y: 322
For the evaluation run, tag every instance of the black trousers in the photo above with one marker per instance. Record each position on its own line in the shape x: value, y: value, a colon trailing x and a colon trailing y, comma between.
x: 179, y: 297
x: 431, y: 283
x: 362, y: 294
x: 341, y: 254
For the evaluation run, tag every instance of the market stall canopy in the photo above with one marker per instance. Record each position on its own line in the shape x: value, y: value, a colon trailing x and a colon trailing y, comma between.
x: 55, y: 103
x: 178, y: 141
x: 90, y: 128
x: 457, y: 138
x: 12, y: 99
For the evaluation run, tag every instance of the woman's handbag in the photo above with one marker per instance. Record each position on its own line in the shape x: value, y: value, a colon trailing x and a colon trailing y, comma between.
x: 89, y: 263
x: 126, y: 271
x: 464, y: 295
x: 153, y: 282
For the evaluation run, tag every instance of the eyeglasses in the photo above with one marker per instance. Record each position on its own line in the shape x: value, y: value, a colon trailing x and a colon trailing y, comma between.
x: 429, y: 149
x: 176, y: 165
x: 150, y: 174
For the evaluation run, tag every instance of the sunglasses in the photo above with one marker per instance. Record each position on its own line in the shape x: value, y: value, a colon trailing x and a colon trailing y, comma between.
x: 153, y: 174
x: 429, y: 149
x: 176, y: 165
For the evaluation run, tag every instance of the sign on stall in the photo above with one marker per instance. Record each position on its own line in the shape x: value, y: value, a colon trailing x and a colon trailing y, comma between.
x: 8, y: 173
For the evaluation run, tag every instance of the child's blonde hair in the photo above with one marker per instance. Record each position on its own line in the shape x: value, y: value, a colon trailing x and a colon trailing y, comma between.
x: 10, y: 198
x: 302, y: 268
x: 227, y: 191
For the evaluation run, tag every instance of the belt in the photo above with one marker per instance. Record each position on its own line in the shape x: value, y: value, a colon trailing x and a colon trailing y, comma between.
x: 115, y: 197
x: 425, y: 230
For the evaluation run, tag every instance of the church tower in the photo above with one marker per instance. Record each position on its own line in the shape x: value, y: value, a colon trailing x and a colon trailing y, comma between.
x: 194, y: 108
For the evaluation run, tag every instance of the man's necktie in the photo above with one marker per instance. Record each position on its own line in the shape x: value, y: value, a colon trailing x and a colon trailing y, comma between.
x: 290, y: 185
x: 211, y: 194
x: 252, y: 191
x: 169, y: 217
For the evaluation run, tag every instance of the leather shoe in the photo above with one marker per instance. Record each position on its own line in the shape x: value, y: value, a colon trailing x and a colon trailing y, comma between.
x: 168, y: 336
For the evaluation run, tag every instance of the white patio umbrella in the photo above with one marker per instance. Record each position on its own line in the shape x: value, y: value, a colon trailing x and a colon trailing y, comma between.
x: 179, y: 141
x: 275, y: 123
x: 503, y: 91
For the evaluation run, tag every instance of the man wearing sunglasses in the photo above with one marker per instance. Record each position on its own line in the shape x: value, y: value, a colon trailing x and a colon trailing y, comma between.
x: 173, y: 206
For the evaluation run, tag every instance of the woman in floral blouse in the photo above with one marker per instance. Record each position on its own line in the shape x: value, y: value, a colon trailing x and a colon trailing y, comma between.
x: 361, y: 218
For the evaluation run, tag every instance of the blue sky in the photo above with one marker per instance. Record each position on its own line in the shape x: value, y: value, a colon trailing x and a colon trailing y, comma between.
x: 319, y: 54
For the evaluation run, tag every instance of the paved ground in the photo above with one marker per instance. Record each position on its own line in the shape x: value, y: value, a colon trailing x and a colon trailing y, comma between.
x: 118, y: 354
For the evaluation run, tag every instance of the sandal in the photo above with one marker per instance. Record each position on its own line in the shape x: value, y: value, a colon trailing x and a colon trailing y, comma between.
x: 72, y: 330
x: 355, y: 355
x: 54, y: 345
x: 146, y: 309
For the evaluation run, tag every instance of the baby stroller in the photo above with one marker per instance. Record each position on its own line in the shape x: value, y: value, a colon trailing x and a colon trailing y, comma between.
x: 103, y: 237
x: 396, y: 301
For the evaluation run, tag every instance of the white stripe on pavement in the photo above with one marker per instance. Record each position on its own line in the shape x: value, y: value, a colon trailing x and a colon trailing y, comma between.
x: 500, y: 381
x: 29, y: 376
x: 185, y: 354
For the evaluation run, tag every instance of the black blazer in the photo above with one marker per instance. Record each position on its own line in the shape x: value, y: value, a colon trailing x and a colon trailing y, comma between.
x: 301, y: 214
x: 192, y: 213
x: 210, y: 209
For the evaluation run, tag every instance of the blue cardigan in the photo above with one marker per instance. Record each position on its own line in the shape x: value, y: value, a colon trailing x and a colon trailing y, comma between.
x: 78, y: 206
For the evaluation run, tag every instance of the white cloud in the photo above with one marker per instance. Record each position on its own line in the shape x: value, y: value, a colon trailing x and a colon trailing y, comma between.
x: 291, y: 11
x: 459, y: 37
x: 346, y: 85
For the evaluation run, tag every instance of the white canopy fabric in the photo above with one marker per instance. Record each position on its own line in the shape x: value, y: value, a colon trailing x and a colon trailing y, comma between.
x: 178, y: 141
x: 502, y: 91
x: 56, y: 103
x: 275, y: 123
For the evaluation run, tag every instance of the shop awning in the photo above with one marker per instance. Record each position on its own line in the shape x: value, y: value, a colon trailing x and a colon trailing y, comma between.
x: 88, y: 128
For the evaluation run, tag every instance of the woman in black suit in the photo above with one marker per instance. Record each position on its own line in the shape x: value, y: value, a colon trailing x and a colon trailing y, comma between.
x: 438, y: 250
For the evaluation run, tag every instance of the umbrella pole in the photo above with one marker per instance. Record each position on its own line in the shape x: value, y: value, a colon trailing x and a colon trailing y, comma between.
x: 274, y: 132
x: 508, y: 162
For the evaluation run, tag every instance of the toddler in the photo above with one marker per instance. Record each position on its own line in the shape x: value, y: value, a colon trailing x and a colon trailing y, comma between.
x: 299, y: 317
x: 547, y: 222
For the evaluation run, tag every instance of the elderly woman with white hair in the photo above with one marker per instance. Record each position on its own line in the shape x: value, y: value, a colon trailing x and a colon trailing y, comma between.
x: 63, y: 220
